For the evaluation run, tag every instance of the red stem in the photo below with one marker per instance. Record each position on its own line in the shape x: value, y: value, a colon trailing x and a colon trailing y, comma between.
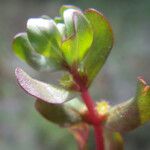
x: 98, y: 130
x: 94, y: 119
x: 93, y: 115
x: 90, y: 105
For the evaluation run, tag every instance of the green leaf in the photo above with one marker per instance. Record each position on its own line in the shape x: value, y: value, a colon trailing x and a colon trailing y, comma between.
x: 101, y: 45
x: 124, y: 117
x: 113, y: 140
x: 68, y: 21
x: 44, y: 37
x: 77, y: 105
x: 133, y: 113
x: 58, y: 20
x: 65, y: 7
x: 79, y: 33
x: 23, y: 49
x: 67, y: 82
x: 143, y: 101
x: 61, y: 28
x: 40, y: 90
x: 63, y: 114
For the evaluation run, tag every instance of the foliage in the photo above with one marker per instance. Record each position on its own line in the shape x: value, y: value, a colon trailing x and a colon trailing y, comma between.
x: 78, y: 42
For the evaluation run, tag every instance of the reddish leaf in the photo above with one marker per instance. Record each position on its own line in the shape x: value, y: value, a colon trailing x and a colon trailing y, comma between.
x: 81, y: 134
x: 40, y: 90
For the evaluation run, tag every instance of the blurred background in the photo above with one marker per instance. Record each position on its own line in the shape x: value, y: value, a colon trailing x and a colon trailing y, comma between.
x: 21, y: 127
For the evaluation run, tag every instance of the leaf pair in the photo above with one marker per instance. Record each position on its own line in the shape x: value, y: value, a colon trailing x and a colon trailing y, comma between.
x: 50, y: 100
x: 81, y: 38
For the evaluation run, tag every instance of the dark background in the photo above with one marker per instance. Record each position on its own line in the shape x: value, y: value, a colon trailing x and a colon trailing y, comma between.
x: 21, y: 127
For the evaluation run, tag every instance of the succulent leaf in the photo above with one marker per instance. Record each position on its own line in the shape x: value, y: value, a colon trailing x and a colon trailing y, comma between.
x: 79, y: 33
x: 46, y: 92
x: 132, y: 113
x: 101, y: 45
x: 24, y: 50
x: 44, y: 37
x: 63, y: 115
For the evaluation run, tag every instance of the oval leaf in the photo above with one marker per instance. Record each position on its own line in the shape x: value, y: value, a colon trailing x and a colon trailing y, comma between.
x: 44, y: 37
x: 62, y: 115
x: 80, y: 36
x: 101, y: 45
x: 40, y: 90
x: 23, y: 50
x: 133, y: 113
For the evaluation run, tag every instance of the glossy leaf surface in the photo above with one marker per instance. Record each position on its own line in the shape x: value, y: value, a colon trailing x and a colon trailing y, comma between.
x: 79, y: 35
x: 44, y: 37
x: 24, y: 50
x: 61, y: 28
x: 101, y: 45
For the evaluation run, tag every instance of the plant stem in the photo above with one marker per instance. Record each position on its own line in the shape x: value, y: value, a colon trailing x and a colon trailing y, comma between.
x: 90, y: 105
x: 94, y: 118
x: 99, y: 137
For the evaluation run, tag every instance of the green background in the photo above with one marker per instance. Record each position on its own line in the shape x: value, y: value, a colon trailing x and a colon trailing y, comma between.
x: 21, y: 127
